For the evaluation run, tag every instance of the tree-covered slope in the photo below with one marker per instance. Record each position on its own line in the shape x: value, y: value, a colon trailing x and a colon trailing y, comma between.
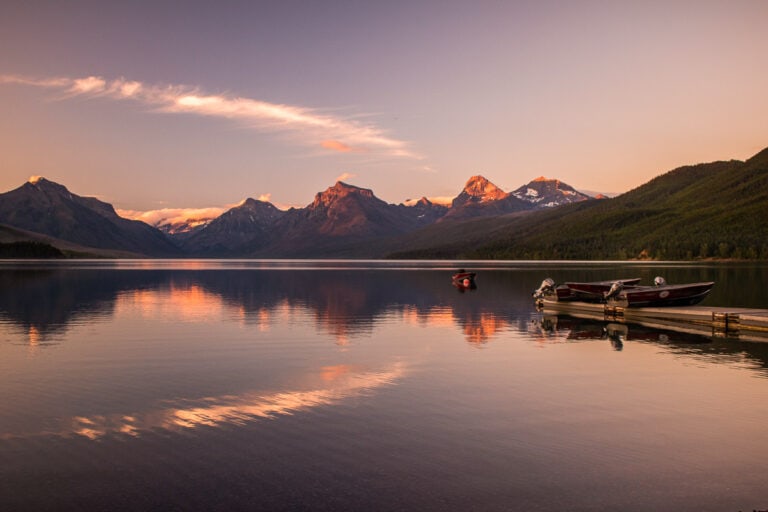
x: 699, y: 211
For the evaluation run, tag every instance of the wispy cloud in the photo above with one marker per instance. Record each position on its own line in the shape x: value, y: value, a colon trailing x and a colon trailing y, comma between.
x: 305, y: 125
x: 346, y: 176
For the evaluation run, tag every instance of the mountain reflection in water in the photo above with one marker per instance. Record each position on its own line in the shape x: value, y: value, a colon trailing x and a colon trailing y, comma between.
x: 344, y: 304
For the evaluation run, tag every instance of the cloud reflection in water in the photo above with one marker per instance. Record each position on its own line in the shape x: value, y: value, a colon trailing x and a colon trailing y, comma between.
x: 338, y: 384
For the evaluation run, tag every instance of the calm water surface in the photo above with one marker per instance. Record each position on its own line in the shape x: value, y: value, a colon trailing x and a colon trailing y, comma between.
x: 293, y: 385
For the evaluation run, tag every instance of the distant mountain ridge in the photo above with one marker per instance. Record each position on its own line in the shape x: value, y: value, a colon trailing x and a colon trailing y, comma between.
x: 696, y: 211
x: 340, y: 216
x: 240, y: 230
x: 44, y: 207
x: 342, y: 221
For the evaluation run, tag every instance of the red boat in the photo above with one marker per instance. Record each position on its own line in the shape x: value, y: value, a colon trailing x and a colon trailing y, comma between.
x: 663, y: 295
x: 465, y: 280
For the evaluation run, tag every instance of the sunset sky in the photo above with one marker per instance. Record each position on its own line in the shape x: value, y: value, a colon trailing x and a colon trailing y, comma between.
x: 151, y: 105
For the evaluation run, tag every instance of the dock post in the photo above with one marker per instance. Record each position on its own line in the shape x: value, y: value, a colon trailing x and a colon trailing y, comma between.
x: 725, y: 323
x: 613, y: 312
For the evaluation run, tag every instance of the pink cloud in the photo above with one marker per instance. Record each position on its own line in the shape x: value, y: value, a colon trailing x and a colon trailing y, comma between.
x: 174, y: 216
x: 335, y: 145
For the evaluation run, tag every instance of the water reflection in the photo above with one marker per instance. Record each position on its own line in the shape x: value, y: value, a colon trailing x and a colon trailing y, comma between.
x: 177, y: 385
x: 566, y: 329
x: 345, y: 302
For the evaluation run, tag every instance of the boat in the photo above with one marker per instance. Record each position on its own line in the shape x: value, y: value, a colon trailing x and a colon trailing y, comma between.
x: 659, y: 295
x: 464, y: 280
x: 625, y: 292
x: 575, y: 291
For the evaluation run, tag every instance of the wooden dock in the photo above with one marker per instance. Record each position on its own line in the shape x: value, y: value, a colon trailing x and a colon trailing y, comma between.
x: 740, y: 323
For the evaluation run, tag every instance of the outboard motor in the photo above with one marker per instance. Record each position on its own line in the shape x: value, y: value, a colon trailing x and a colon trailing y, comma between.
x: 616, y: 288
x: 659, y: 281
x: 547, y: 285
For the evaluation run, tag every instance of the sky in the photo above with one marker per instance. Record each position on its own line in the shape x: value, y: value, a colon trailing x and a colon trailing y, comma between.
x: 199, y: 105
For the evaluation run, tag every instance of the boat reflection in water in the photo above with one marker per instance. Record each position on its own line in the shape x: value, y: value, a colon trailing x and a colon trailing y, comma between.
x: 567, y: 328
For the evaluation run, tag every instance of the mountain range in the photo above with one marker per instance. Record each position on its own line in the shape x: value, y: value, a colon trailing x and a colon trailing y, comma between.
x: 343, y: 220
x: 698, y: 211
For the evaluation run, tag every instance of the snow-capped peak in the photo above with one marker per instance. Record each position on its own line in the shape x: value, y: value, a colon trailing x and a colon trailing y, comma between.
x: 548, y: 193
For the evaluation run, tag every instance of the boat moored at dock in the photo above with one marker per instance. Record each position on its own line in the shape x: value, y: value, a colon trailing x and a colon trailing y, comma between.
x: 662, y: 295
x: 625, y: 292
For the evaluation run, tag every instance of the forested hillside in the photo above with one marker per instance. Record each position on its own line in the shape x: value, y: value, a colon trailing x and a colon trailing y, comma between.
x: 714, y: 210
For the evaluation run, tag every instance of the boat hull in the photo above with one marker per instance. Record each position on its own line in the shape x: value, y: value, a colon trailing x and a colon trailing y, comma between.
x: 663, y: 296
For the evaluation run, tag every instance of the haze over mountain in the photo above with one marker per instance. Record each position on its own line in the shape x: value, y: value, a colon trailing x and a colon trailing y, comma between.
x: 695, y: 211
x: 175, y: 221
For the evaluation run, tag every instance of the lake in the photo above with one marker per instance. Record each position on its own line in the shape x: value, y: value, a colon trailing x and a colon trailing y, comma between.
x: 355, y: 385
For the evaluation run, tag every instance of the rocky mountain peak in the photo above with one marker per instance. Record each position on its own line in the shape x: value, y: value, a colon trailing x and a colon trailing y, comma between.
x: 479, y: 186
x: 338, y: 191
x: 48, y: 208
x: 38, y: 183
x: 479, y: 190
x: 263, y: 210
x: 42, y: 193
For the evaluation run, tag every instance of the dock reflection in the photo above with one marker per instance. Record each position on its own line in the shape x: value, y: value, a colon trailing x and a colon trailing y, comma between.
x: 575, y: 329
x: 716, y: 349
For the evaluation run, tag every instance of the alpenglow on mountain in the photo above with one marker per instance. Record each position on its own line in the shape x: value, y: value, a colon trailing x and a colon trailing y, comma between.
x: 342, y: 221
